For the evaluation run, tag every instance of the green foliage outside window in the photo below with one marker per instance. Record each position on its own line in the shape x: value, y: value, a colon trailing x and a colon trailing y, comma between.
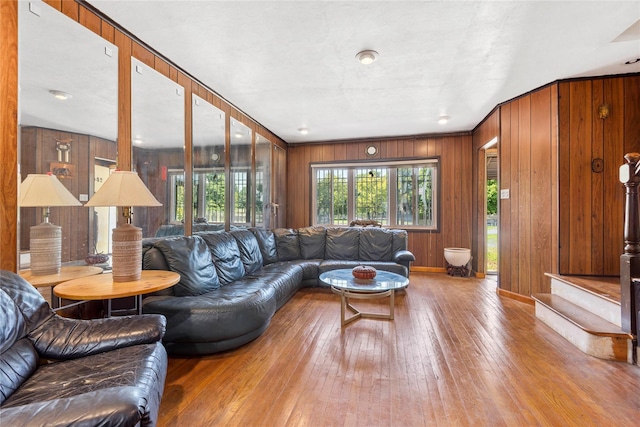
x: 492, y: 196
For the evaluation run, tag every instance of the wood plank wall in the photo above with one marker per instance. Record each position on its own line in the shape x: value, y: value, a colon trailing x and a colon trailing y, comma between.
x: 9, y: 135
x: 592, y: 203
x: 455, y: 152
x: 38, y: 150
x: 528, y: 159
x: 561, y: 216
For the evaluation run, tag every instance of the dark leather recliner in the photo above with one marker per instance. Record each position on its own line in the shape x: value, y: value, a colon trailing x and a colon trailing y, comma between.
x: 56, y: 371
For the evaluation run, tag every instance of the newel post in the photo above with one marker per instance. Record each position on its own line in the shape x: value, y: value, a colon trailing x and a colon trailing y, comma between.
x: 630, y: 259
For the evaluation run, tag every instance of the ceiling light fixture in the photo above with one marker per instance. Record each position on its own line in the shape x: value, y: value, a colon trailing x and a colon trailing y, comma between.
x: 366, y: 57
x: 303, y: 131
x: 58, y: 94
x: 443, y: 120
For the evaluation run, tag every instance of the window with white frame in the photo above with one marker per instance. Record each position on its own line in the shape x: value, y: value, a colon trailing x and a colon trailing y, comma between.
x: 397, y: 194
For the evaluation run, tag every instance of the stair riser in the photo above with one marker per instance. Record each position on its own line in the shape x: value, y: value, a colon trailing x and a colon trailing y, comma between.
x: 610, y: 348
x: 602, y: 307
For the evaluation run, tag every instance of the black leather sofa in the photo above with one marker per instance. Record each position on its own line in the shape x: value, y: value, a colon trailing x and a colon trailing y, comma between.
x: 233, y: 282
x: 56, y: 371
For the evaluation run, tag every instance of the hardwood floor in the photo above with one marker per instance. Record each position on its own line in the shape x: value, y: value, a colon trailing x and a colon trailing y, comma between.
x: 456, y: 354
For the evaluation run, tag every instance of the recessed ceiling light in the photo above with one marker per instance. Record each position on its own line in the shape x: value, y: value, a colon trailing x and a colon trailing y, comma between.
x: 58, y: 94
x: 303, y: 131
x: 366, y: 57
x: 443, y: 119
x: 238, y: 134
x: 137, y: 141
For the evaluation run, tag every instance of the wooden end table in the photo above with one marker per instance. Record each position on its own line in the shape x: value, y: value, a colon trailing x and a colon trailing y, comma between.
x: 103, y: 287
x: 66, y: 273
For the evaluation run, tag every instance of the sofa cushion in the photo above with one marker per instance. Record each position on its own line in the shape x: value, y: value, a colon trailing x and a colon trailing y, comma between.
x: 123, y: 387
x: 250, y: 254
x: 399, y: 241
x: 267, y: 243
x: 342, y: 243
x: 312, y: 242
x: 375, y: 244
x: 287, y: 244
x: 189, y: 256
x: 226, y: 256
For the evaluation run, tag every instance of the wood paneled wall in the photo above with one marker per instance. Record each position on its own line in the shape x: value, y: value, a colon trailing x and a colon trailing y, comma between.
x: 592, y: 202
x: 455, y: 152
x: 562, y: 216
x: 38, y: 151
x: 9, y: 135
x: 528, y: 164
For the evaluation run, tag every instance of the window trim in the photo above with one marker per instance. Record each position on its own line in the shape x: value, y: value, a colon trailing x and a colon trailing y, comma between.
x: 392, y: 196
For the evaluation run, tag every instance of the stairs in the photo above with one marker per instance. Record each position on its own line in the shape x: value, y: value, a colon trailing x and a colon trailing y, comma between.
x: 588, y: 317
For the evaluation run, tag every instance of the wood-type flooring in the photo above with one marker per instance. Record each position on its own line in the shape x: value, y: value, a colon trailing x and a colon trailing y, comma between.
x: 457, y: 354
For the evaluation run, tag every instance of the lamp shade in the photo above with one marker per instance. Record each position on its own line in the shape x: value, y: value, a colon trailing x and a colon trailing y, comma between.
x: 123, y: 188
x: 44, y: 190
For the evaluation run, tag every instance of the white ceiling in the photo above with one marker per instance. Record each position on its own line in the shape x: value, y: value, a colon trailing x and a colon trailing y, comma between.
x: 291, y: 64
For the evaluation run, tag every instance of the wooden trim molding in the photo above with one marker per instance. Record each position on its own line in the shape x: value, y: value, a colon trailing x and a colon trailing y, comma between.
x: 9, y: 135
x: 518, y: 297
x: 422, y: 269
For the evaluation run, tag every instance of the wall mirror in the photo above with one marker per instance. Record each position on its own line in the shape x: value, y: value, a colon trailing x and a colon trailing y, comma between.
x: 157, y: 132
x: 208, y: 130
x: 68, y: 115
x: 240, y: 180
x: 263, y: 182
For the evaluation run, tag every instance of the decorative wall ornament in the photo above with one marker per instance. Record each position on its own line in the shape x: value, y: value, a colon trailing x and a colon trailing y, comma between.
x: 62, y: 170
x: 603, y: 111
x: 63, y: 146
x: 597, y: 165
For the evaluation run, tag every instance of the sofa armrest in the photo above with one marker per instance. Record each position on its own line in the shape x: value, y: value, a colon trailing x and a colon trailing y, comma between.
x: 63, y: 338
x: 119, y: 406
x: 403, y: 257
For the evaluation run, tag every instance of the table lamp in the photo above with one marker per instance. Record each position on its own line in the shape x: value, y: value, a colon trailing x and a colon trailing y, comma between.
x: 45, y: 244
x: 125, y: 189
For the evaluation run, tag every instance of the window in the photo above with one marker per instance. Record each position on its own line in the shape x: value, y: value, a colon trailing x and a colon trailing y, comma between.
x: 208, y: 194
x: 402, y: 194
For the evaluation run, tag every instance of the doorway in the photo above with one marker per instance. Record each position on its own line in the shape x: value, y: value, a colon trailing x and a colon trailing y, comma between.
x: 104, y: 218
x: 491, y: 210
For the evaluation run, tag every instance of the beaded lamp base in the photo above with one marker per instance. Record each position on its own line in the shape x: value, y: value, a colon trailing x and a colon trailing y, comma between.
x: 126, y: 256
x: 45, y: 249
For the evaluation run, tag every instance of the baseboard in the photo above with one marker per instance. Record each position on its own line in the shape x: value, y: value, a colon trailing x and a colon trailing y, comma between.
x: 518, y: 297
x: 428, y: 269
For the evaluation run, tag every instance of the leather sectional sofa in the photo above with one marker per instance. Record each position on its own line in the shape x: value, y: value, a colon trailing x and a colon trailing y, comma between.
x: 233, y: 282
x: 56, y: 371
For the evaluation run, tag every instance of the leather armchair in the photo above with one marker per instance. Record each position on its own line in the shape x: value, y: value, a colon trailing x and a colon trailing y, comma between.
x: 58, y: 371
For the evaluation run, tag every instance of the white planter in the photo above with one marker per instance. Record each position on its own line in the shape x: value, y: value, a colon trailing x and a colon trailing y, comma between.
x: 457, y: 257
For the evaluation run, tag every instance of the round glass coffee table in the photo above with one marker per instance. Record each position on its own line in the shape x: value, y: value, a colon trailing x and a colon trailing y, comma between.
x: 348, y: 287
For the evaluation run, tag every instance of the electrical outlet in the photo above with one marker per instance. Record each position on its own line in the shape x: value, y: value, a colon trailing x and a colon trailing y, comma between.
x: 504, y: 194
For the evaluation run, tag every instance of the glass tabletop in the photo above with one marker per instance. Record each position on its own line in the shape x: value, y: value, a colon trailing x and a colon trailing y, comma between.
x: 384, y: 281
